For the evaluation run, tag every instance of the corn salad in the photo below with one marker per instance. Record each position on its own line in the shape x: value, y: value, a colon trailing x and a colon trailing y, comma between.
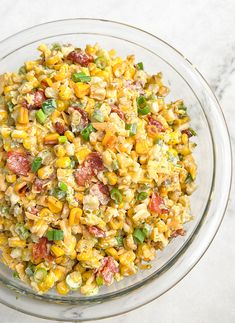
x: 95, y: 168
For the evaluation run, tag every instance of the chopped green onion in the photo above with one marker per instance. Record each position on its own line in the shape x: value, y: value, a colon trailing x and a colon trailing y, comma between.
x: 58, y: 193
x: 63, y: 186
x: 74, y: 280
x: 189, y: 179
x: 158, y: 142
x: 15, y: 275
x: 142, y: 196
x: 87, y: 131
x: 119, y: 241
x: 22, y: 232
x: 147, y: 229
x: 48, y: 106
x: 81, y: 77
x: 62, y: 139
x: 30, y: 270
x: 115, y: 165
x: 40, y: 116
x: 98, y: 116
x: 10, y: 106
x: 132, y: 127
x: 56, y: 46
x: 22, y: 70
x: 55, y: 235
x: 193, y: 132
x: 99, y: 281
x: 72, y: 163
x: 140, y: 66
x: 39, y: 275
x: 101, y: 62
x: 143, y: 107
x: 36, y: 164
x: 116, y: 195
x: 139, y: 235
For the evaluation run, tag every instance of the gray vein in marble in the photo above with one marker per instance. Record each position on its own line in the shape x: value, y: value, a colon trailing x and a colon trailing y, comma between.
x: 225, y: 71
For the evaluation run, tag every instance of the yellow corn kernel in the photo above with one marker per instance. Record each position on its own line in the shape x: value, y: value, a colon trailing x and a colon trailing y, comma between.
x: 3, y: 116
x: 30, y: 65
x: 15, y: 242
x: 116, y: 223
x: 65, y: 93
x: 84, y: 256
x: 60, y: 105
x: 53, y: 60
x: 57, y: 251
x: 109, y: 139
x: 90, y: 49
x: 18, y: 134
x: 112, y: 252
x: 45, y: 212
x: 59, y: 272
x: 3, y: 239
x: 59, y: 151
x: 51, y: 139
x: 45, y: 172
x: 112, y: 178
x: 54, y: 205
x: 11, y: 178
x: 63, y: 73
x: 69, y: 135
x: 5, y: 132
x: 27, y: 143
x: 48, y: 81
x: 73, y: 255
x: 20, y: 188
x: 127, y: 257
x: 119, y: 69
x: 184, y: 138
x: 82, y: 154
x: 79, y: 196
x: 60, y: 260
x: 62, y: 288
x: 81, y: 89
x: 103, y: 74
x: 63, y: 162
x: 48, y: 282
x: 141, y: 147
x: 74, y: 216
x: 23, y: 117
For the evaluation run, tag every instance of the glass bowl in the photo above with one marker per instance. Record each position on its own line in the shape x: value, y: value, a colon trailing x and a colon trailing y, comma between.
x: 213, y: 156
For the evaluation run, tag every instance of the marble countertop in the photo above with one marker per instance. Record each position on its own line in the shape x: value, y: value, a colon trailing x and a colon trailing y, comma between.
x: 205, y: 32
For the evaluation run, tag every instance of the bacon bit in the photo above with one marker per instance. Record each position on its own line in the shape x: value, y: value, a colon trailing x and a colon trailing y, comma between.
x: 107, y: 269
x: 156, y: 123
x: 187, y: 132
x: 60, y: 128
x: 41, y: 250
x: 38, y: 185
x: 18, y: 163
x: 101, y: 191
x: 179, y: 232
x: 33, y: 210
x: 39, y: 98
x: 115, y: 109
x: 80, y: 57
x: 157, y: 204
x: 90, y: 167
x: 96, y: 232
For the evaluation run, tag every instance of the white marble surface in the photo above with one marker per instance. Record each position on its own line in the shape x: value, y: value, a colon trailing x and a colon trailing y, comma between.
x: 204, y: 30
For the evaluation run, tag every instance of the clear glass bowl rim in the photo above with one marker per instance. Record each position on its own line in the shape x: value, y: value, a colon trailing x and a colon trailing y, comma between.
x: 138, y: 285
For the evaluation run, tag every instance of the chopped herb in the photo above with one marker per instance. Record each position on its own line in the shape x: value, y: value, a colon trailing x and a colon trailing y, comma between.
x: 119, y: 241
x: 133, y: 128
x: 22, y: 70
x: 63, y: 187
x: 139, y: 235
x: 55, y: 235
x: 142, y: 196
x: 115, y: 165
x: 15, y: 275
x: 140, y: 66
x: 58, y: 193
x: 48, y: 106
x: 39, y: 275
x: 56, y: 46
x: 99, y: 281
x: 10, y: 106
x: 158, y: 142
x: 193, y: 132
x: 85, y: 133
x: 98, y: 116
x: 62, y: 139
x: 147, y: 229
x: 30, y: 270
x: 189, y: 179
x: 36, y: 164
x: 81, y: 77
x: 116, y: 195
x: 143, y: 107
x: 72, y: 163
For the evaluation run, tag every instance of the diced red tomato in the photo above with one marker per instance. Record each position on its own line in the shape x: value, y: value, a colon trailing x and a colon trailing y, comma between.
x: 18, y: 163
x: 157, y: 204
x: 107, y: 269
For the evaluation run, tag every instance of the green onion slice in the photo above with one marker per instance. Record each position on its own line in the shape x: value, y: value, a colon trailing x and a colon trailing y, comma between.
x: 37, y: 162
x: 81, y: 77
x: 142, y: 196
x: 101, y: 62
x: 85, y: 133
x: 116, y: 195
x: 55, y: 235
x: 139, y: 235
x: 48, y: 106
x: 39, y: 274
x: 140, y: 66
x: 41, y: 116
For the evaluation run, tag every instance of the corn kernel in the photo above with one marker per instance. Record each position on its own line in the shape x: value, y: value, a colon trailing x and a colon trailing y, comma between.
x: 45, y: 213
x: 54, y: 204
x: 51, y: 139
x: 112, y: 178
x: 81, y: 89
x: 112, y: 252
x: 19, y: 134
x: 11, y: 178
x: 27, y: 143
x: 82, y: 154
x: 30, y: 65
x: 63, y: 162
x: 62, y: 288
x: 15, y: 242
x: 3, y: 116
x: 65, y: 93
x: 60, y: 105
x: 57, y: 251
x: 141, y: 147
x: 74, y: 216
x: 69, y: 135
x: 45, y: 172
x: 23, y: 115
x: 79, y: 196
x: 59, y: 151
x: 109, y: 139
